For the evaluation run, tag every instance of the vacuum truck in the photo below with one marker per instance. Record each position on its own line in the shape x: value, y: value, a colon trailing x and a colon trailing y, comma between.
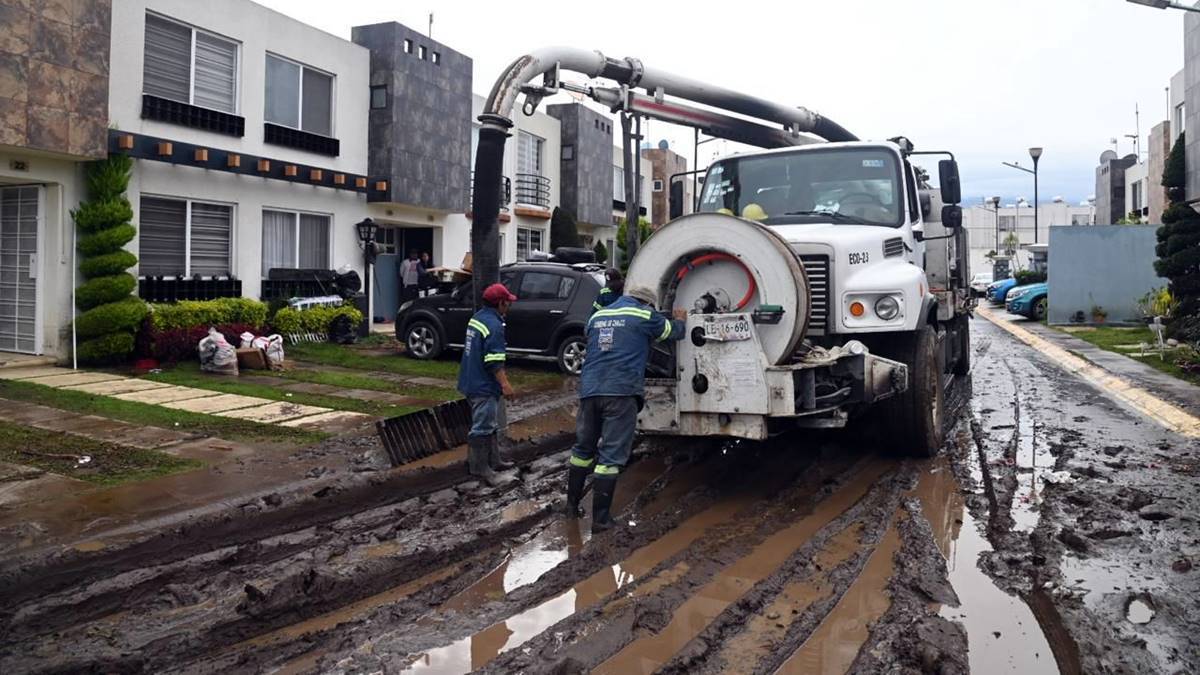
x: 825, y: 277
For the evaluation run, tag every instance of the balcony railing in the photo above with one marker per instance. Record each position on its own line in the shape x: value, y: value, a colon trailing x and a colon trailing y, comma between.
x: 533, y: 190
x: 173, y: 289
x: 505, y: 192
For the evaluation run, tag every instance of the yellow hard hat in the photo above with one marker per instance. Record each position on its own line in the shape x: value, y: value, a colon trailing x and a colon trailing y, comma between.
x: 725, y: 212
x: 753, y: 211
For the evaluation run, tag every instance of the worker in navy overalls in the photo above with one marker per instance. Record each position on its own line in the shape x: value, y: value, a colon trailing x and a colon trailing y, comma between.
x: 614, y: 285
x: 482, y: 380
x: 611, y: 394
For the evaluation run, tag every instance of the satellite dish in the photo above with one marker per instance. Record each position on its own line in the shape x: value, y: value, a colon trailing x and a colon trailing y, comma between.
x: 1107, y: 156
x: 1058, y: 199
x: 663, y: 144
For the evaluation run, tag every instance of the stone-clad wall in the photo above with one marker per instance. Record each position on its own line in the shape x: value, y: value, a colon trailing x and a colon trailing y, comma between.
x: 54, y: 62
x: 586, y: 175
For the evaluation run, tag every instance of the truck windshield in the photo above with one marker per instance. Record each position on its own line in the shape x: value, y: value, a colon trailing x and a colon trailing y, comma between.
x: 842, y: 185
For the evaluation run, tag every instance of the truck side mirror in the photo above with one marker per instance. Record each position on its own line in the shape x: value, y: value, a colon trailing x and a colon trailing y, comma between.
x: 676, y: 199
x: 952, y: 216
x: 948, y: 180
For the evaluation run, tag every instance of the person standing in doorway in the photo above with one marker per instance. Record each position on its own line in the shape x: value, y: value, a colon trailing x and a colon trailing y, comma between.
x: 410, y: 276
x: 483, y: 381
x: 611, y: 388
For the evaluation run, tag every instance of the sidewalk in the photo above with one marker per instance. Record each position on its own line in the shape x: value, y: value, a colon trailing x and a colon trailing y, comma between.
x: 1171, y: 402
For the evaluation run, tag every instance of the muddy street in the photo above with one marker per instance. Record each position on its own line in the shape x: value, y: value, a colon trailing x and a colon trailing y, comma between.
x: 1055, y: 533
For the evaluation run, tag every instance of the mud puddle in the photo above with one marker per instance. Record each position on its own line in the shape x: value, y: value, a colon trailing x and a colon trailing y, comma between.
x: 647, y: 654
x: 1033, y: 462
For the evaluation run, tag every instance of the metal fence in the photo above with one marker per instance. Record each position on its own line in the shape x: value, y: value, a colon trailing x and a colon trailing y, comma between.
x: 533, y: 189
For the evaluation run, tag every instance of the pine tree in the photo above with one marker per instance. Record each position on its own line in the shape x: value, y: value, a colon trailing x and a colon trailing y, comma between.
x: 1178, y: 261
x: 110, y: 316
x: 601, y: 252
x: 1175, y: 172
x: 564, y: 231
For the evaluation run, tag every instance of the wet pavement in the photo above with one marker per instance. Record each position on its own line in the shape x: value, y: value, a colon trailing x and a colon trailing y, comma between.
x: 1055, y: 533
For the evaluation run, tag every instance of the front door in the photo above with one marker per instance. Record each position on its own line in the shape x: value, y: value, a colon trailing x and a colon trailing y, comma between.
x: 19, y: 216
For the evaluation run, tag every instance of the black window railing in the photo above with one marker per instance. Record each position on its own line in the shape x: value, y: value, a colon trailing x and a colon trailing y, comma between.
x: 174, y: 112
x: 300, y: 140
x: 533, y: 190
x: 173, y: 289
x: 505, y: 192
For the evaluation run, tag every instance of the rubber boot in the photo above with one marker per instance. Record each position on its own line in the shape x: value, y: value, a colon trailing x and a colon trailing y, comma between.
x: 477, y: 460
x: 495, y: 459
x: 603, y: 488
x: 576, y: 476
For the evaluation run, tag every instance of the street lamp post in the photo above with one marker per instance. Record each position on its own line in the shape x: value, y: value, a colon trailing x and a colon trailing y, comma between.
x: 366, y: 234
x: 995, y: 201
x: 1036, y: 154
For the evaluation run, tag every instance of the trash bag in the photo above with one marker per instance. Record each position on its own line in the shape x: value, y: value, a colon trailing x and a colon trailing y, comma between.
x: 217, y: 355
x: 273, y: 346
x: 342, y: 331
x: 247, y: 340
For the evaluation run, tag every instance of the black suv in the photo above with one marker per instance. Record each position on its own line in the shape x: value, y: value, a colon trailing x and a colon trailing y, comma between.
x: 554, y: 301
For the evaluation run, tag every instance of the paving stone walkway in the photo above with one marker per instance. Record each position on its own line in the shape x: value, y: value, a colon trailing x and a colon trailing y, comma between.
x: 189, y: 399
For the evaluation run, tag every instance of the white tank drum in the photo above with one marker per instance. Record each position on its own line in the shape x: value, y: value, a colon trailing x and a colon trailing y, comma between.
x: 717, y: 264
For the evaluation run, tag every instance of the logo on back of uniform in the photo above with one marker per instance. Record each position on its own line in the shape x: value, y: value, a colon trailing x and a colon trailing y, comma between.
x: 606, y: 339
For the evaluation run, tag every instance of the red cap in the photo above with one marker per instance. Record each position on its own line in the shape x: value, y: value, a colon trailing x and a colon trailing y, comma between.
x: 495, y: 293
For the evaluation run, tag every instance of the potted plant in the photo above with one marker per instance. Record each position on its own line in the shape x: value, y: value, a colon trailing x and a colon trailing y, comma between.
x: 1098, y: 314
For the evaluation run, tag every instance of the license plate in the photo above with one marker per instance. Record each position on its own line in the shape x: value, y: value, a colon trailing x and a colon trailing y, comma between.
x: 729, y: 329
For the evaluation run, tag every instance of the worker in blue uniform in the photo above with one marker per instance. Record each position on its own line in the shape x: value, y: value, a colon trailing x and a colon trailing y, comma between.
x: 614, y: 286
x: 483, y: 381
x: 611, y: 391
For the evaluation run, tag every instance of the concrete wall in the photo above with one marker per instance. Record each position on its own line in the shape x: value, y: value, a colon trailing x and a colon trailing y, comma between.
x: 54, y: 65
x: 1160, y: 147
x: 1111, y: 266
x: 587, y: 177
x: 422, y: 140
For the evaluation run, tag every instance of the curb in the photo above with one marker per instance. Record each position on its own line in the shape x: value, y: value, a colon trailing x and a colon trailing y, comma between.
x: 1166, y: 414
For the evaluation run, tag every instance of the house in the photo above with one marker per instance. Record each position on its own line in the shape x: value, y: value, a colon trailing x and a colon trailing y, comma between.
x: 992, y: 232
x: 666, y: 163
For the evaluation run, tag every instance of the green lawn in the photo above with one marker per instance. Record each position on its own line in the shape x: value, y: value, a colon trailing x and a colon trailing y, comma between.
x: 110, y: 464
x: 1108, y: 337
x: 364, y: 381
x: 530, y: 376
x: 188, y: 374
x: 155, y: 416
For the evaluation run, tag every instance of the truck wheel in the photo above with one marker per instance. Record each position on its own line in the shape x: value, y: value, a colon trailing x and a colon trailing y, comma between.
x: 915, y: 418
x: 963, y: 335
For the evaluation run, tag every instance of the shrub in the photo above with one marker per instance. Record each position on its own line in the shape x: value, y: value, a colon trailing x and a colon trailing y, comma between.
x: 102, y: 290
x: 1175, y: 171
x: 107, y: 241
x: 115, y: 317
x: 192, y: 313
x: 1178, y: 261
x: 95, y: 216
x: 644, y: 232
x: 179, y: 344
x: 108, y: 348
x: 1026, y: 277
x: 109, y: 263
x: 564, y: 231
x: 601, y: 252
x: 288, y: 321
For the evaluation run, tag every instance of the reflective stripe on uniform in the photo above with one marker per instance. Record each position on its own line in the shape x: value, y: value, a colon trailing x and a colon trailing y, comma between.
x: 597, y: 305
x: 605, y: 470
x: 579, y: 461
x: 604, y: 290
x: 490, y: 358
x: 479, y: 326
x: 666, y: 331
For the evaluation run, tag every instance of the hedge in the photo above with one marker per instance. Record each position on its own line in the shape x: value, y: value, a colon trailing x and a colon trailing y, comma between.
x: 115, y: 317
x: 107, y: 264
x: 110, y: 348
x: 102, y: 290
x: 205, y: 313
x: 91, y: 217
x: 288, y: 321
x: 179, y: 344
x: 108, y: 241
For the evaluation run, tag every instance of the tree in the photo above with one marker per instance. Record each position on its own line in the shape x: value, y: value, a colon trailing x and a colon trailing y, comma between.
x: 1174, y: 176
x: 644, y: 232
x: 564, y: 231
x: 1131, y: 218
x: 601, y: 252
x: 1178, y: 261
x: 110, y: 315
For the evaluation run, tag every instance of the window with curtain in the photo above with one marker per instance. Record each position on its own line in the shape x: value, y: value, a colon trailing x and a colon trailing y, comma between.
x: 529, y: 153
x: 207, y: 78
x: 299, y: 97
x: 294, y: 240
x: 169, y: 228
x: 528, y: 239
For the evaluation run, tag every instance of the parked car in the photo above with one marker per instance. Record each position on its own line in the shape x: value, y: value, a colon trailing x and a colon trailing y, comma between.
x: 1031, y: 301
x: 979, y: 283
x: 554, y: 301
x: 998, y: 289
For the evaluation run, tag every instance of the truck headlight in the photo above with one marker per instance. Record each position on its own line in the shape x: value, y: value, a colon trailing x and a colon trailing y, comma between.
x: 887, y: 308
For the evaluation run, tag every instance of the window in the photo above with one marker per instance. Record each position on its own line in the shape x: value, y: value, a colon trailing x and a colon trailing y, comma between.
x: 436, y: 58
x: 658, y: 185
x: 408, y: 46
x: 378, y: 96
x: 1136, y: 197
x: 1007, y: 223
x: 529, y: 153
x: 299, y: 97
x: 528, y: 239
x: 181, y: 238
x: 541, y: 286
x: 421, y: 52
x: 611, y: 245
x: 568, y: 153
x: 294, y: 240
x: 189, y: 65
x: 618, y: 183
x: 1180, y: 120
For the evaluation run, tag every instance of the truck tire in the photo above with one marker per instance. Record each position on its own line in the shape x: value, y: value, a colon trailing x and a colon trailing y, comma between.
x: 962, y: 329
x: 915, y: 418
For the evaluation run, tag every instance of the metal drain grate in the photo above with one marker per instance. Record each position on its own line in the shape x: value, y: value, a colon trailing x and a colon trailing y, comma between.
x: 420, y: 434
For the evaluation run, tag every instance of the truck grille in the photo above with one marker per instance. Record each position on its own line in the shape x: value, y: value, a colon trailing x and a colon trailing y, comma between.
x: 893, y: 247
x: 816, y: 267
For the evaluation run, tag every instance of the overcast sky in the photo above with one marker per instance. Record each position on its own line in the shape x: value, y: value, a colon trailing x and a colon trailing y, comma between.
x: 984, y: 79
